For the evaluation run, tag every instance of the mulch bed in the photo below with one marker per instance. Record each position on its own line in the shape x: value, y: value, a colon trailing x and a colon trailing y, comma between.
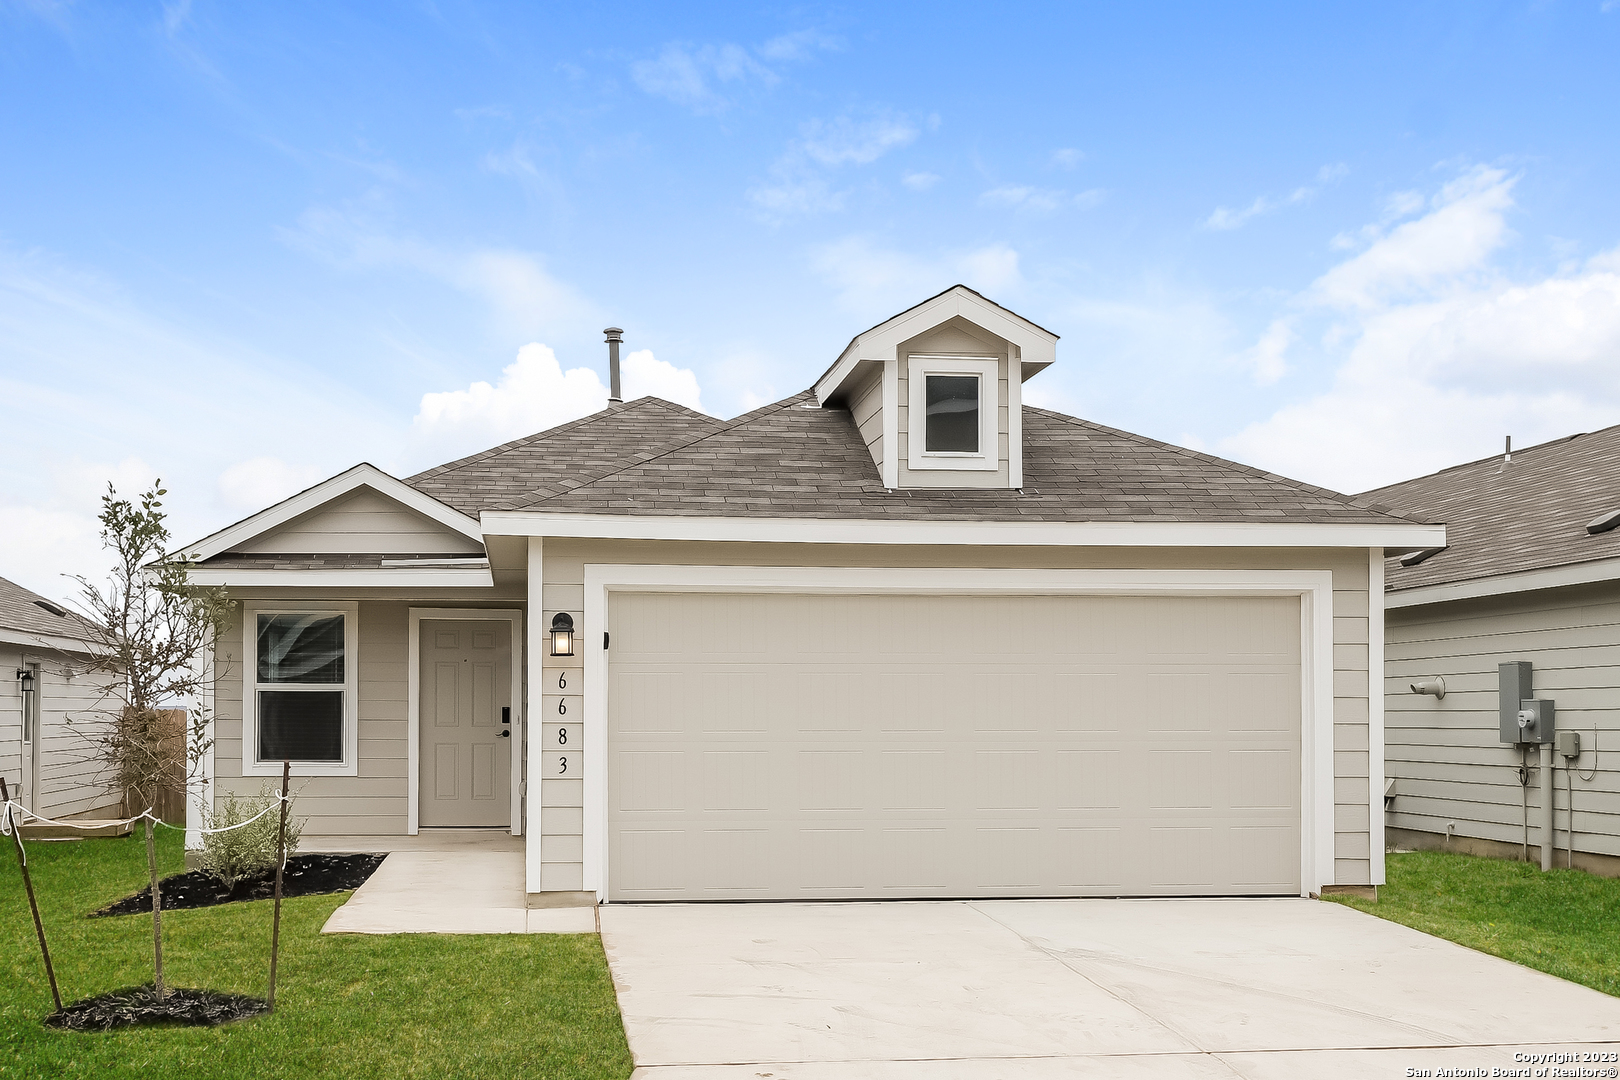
x: 305, y: 875
x: 139, y: 1005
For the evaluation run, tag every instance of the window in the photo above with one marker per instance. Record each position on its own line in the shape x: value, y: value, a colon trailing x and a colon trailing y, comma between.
x: 302, y: 705
x: 952, y: 416
x: 954, y: 412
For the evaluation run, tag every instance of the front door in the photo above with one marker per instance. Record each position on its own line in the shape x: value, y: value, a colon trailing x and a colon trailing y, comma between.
x: 466, y: 750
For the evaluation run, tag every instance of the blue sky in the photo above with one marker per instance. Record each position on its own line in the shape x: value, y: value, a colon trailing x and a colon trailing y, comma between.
x: 243, y: 247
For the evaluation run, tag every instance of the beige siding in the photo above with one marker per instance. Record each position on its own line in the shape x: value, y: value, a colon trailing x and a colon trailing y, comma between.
x: 374, y: 802
x: 562, y: 847
x: 1446, y: 759
x: 10, y: 717
x: 866, y: 407
x: 564, y: 590
x: 956, y: 336
x: 363, y: 523
x: 72, y: 708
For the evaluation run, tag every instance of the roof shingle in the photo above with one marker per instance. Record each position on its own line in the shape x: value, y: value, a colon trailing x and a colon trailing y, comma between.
x: 22, y: 610
x: 1531, y: 515
x: 792, y: 459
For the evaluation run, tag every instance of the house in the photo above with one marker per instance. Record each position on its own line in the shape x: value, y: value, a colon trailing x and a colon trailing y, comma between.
x: 1531, y: 575
x: 47, y: 709
x: 899, y: 635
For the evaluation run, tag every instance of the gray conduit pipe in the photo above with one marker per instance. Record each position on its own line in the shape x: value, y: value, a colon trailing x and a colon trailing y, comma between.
x: 1569, y: 846
x: 1549, y: 842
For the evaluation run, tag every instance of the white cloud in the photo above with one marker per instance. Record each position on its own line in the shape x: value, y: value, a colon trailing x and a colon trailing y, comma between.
x: 1038, y: 200
x: 687, y: 74
x: 799, y: 181
x: 1225, y: 218
x: 700, y: 77
x: 101, y: 389
x: 60, y: 534
x: 1268, y: 359
x: 516, y: 284
x: 1465, y: 226
x: 535, y: 393
x: 1023, y: 197
x: 799, y: 45
x: 920, y: 181
x: 878, y: 281
x: 250, y: 486
x: 846, y: 141
x: 1439, y: 354
x: 1067, y: 158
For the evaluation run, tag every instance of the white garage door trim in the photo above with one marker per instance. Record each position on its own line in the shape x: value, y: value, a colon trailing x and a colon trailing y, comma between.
x: 1313, y: 587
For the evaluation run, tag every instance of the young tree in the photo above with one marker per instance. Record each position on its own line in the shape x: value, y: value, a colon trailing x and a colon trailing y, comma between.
x: 152, y: 628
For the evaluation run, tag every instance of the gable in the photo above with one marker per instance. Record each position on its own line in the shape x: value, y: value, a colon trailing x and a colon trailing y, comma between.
x: 362, y: 521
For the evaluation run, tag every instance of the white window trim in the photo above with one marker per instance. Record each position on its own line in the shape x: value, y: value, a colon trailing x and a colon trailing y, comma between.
x: 350, y: 765
x: 1313, y: 587
x: 413, y: 709
x: 988, y: 370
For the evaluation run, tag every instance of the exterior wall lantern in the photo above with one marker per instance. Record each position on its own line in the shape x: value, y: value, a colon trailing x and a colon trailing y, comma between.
x: 562, y: 634
x: 25, y: 680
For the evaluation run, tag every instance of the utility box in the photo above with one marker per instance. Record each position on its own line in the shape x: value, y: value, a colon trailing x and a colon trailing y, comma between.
x: 1535, y: 719
x: 1513, y: 685
x: 1568, y: 744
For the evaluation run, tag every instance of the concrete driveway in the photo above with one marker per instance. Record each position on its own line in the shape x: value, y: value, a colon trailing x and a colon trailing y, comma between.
x: 1074, y: 988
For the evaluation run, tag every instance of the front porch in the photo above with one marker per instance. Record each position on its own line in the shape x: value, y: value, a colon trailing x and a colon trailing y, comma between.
x: 449, y: 881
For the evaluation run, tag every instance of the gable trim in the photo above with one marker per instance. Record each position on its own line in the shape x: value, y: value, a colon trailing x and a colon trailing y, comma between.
x: 362, y: 475
x: 1395, y: 535
x: 1037, y: 346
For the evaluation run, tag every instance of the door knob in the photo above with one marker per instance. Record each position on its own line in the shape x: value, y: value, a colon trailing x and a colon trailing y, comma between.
x: 507, y: 734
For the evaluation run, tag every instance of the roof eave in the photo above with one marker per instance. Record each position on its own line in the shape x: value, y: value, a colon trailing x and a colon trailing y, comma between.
x: 1394, y: 536
x: 1518, y: 581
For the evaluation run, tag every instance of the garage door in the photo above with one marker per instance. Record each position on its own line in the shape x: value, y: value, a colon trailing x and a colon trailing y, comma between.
x: 770, y: 746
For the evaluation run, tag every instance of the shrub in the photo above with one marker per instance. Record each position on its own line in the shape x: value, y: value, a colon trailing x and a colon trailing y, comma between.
x: 249, y: 851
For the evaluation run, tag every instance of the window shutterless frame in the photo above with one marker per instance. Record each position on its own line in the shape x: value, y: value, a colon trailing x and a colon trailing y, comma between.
x: 987, y: 371
x: 252, y: 687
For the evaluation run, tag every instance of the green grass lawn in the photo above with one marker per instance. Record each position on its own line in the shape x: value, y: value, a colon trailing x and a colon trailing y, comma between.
x: 351, y: 1006
x: 1563, y: 922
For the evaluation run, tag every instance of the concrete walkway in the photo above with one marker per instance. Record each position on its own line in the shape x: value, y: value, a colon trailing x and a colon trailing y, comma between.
x: 1042, y: 989
x: 475, y: 889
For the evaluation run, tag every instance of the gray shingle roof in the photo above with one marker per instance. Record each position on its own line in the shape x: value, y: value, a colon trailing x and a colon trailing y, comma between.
x: 1530, y: 516
x: 789, y: 460
x: 20, y: 610
x: 563, y: 457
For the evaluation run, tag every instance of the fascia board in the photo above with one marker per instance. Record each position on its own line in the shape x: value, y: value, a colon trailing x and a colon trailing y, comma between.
x: 362, y: 475
x: 54, y: 642
x: 1038, y: 347
x: 978, y: 533
x: 1587, y: 573
x: 344, y: 579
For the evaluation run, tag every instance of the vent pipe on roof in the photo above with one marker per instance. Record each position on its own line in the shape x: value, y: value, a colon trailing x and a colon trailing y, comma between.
x: 1601, y: 524
x: 1507, y: 454
x: 614, y: 336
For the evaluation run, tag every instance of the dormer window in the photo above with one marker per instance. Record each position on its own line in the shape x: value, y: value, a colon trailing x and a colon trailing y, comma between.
x: 953, y: 404
x: 952, y: 416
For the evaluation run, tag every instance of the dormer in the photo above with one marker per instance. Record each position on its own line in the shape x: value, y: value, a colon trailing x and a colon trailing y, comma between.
x: 937, y: 391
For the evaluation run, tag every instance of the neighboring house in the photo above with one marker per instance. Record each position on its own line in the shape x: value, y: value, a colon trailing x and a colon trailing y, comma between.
x: 1531, y: 573
x: 47, y: 708
x: 899, y: 635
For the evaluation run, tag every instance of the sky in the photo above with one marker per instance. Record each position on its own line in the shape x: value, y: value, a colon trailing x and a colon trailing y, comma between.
x: 243, y: 247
